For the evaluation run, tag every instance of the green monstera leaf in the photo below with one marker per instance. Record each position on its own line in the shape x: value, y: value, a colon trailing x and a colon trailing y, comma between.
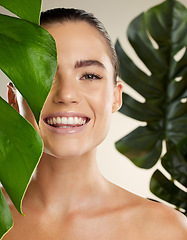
x: 175, y: 163
x: 6, y: 217
x: 166, y: 189
x: 28, y: 10
x: 28, y: 57
x: 20, y: 150
x: 158, y: 36
x: 27, y: 51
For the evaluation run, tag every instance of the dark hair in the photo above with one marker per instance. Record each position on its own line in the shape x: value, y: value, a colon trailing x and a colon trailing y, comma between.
x: 60, y: 15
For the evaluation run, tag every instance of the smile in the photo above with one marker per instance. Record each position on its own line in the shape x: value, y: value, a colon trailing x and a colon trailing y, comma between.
x: 65, y: 122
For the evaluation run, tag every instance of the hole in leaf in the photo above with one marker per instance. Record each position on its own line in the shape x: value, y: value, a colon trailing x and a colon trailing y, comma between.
x: 3, y: 85
x: 182, y: 210
x: 184, y: 100
x: 146, y: 70
x: 7, y: 12
x: 179, y: 185
x: 179, y: 54
x: 178, y: 79
x: 133, y: 93
x: 154, y: 43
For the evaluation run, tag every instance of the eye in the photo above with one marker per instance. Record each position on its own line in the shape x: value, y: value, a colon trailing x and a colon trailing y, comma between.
x: 91, y: 76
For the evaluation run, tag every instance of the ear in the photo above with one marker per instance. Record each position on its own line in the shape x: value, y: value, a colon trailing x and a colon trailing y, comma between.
x: 117, y: 102
x: 12, y: 99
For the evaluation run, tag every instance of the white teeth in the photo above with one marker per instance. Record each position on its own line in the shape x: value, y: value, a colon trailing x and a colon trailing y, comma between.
x: 59, y: 120
x: 76, y: 120
x: 54, y: 120
x: 66, y: 121
x: 80, y: 121
x: 70, y: 120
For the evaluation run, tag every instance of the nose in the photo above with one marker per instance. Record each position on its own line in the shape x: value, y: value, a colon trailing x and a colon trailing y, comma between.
x: 66, y: 91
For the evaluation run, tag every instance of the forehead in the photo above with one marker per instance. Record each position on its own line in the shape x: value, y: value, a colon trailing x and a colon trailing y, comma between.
x: 76, y: 31
x: 79, y: 40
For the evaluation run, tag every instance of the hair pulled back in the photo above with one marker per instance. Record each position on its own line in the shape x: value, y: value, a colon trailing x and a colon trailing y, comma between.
x: 61, y: 15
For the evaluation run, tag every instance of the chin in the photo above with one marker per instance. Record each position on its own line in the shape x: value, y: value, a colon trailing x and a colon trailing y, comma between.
x: 65, y: 152
x: 73, y: 146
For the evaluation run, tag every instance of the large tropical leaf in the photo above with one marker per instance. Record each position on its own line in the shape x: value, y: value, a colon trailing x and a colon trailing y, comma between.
x: 28, y: 58
x: 5, y: 216
x: 28, y: 10
x: 20, y: 150
x: 176, y: 165
x: 175, y: 162
x: 165, y: 189
x: 157, y: 36
x: 151, y: 147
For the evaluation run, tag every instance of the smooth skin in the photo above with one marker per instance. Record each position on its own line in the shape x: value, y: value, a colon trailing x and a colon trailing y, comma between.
x: 68, y: 199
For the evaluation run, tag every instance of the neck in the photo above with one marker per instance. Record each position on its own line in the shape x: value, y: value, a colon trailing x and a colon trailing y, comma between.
x: 71, y: 182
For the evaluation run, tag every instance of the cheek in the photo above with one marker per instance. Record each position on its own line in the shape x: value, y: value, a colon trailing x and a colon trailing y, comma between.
x: 103, y: 113
x: 104, y: 102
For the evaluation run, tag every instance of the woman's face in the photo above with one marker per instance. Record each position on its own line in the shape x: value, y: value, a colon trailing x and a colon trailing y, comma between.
x: 77, y: 113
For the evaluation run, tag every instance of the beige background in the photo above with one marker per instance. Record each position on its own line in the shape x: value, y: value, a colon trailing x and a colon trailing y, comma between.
x: 116, y: 15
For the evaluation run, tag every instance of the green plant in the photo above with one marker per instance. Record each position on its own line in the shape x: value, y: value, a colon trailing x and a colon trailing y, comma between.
x: 159, y: 38
x: 28, y: 58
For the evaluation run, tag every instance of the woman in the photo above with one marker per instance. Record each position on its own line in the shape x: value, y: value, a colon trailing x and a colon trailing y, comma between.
x: 68, y: 198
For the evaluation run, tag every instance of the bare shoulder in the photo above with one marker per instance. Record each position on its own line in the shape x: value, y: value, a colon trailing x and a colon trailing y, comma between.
x: 151, y: 220
x: 161, y: 221
x: 167, y: 221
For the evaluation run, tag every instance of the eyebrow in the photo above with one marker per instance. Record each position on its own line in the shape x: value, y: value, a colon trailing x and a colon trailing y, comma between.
x: 87, y: 63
